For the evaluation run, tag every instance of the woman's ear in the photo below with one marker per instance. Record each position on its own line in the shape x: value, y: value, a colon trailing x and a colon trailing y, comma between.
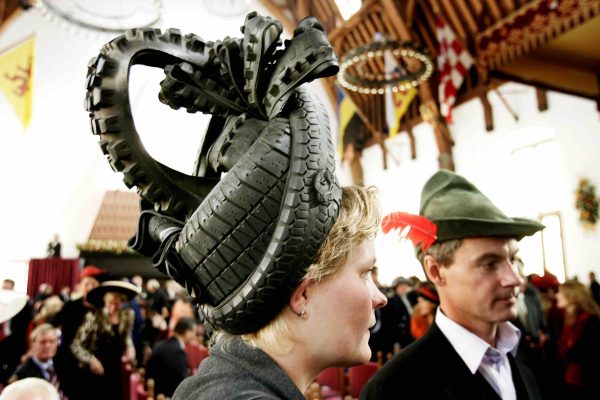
x: 300, y: 297
x: 433, y: 270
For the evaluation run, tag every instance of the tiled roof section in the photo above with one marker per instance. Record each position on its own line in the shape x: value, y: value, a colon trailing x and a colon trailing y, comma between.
x: 118, y: 216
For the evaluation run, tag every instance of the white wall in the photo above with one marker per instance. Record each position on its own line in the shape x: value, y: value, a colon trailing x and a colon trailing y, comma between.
x: 489, y: 160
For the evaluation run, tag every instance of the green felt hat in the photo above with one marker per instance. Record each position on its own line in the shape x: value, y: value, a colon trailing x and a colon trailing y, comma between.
x: 460, y: 210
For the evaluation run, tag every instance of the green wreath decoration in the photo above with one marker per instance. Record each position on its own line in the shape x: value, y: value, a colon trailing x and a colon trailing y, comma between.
x: 586, y: 202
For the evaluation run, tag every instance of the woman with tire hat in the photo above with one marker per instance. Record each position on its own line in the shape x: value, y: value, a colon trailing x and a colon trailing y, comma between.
x: 275, y: 255
x: 105, y: 337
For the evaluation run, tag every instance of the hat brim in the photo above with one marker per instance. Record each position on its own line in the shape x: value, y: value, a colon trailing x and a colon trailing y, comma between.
x: 96, y: 295
x: 459, y: 228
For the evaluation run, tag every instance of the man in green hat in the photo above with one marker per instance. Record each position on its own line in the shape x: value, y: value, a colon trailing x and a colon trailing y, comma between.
x: 467, y: 247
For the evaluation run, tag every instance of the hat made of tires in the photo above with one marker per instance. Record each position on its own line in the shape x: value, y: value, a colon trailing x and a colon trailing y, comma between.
x: 241, y: 231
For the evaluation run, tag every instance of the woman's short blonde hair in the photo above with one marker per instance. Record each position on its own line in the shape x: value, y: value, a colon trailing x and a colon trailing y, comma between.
x: 358, y: 220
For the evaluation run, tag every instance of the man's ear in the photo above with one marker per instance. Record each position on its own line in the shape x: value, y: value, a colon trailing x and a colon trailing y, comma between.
x: 434, y: 270
x: 300, y: 296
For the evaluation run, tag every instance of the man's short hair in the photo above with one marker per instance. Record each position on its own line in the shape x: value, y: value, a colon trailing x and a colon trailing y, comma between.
x: 443, y: 252
x: 185, y: 324
x: 153, y: 284
x: 39, y: 330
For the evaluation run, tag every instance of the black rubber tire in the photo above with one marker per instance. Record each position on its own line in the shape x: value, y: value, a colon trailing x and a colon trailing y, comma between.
x: 248, y: 237
x: 172, y: 193
x: 244, y: 224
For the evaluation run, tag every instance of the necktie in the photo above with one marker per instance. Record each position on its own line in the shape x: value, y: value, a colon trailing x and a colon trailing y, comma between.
x: 53, y: 378
x: 493, y: 358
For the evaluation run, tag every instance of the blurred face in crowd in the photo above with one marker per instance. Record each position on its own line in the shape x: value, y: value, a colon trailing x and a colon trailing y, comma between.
x: 88, y: 283
x: 44, y: 346
x: 137, y: 281
x: 479, y: 289
x: 343, y: 306
x: 426, y: 307
x: 113, y: 302
x: 8, y: 284
x: 189, y: 335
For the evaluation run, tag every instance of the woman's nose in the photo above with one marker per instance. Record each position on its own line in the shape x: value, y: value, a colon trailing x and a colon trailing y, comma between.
x: 379, y: 300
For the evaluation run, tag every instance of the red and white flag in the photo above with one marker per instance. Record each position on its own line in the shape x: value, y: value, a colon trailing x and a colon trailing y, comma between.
x: 454, y: 62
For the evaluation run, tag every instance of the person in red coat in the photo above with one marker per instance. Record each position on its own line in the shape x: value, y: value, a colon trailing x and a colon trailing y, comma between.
x: 579, y: 343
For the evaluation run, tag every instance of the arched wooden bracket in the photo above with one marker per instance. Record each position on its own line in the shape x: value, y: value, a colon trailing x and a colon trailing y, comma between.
x: 542, y: 99
x: 487, y: 112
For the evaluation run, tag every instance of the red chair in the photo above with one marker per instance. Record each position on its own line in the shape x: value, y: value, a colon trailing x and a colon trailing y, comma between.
x: 358, y: 377
x: 196, y: 353
x: 331, y: 381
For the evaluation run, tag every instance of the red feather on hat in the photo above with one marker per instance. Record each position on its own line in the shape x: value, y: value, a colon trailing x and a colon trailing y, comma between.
x: 422, y: 230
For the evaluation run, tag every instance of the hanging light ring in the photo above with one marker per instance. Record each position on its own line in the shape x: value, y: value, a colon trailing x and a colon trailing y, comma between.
x: 369, y: 83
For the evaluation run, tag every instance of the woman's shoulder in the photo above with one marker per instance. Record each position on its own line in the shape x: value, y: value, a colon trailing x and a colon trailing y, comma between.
x: 252, y: 395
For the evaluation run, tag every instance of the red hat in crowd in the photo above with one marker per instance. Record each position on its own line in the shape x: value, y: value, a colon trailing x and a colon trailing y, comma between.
x: 93, y: 271
x: 429, y: 293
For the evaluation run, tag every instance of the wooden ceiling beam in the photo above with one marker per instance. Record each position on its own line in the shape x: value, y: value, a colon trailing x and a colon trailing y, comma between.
x: 488, y: 116
x: 390, y: 10
x: 453, y: 20
x: 542, y: 99
x: 468, y: 17
x: 301, y: 9
x: 494, y: 9
x: 278, y: 13
x: 508, y: 6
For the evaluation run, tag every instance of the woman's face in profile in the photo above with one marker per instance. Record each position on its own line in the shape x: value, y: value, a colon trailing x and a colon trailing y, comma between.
x: 342, y: 309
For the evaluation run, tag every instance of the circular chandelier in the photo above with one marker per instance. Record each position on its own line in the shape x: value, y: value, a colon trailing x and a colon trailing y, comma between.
x: 369, y: 83
x: 112, y: 17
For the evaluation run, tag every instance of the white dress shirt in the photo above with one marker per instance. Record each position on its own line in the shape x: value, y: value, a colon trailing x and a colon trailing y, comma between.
x: 478, y: 355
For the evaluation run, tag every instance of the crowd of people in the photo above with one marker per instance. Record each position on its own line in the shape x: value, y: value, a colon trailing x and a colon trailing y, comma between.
x: 82, y: 346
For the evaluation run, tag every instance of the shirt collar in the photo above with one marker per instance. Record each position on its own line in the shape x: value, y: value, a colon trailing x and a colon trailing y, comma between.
x: 470, y: 347
x: 43, y: 365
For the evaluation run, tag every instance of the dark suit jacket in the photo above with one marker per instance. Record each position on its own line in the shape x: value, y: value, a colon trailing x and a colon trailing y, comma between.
x: 14, y: 346
x: 430, y: 368
x: 29, y: 369
x: 396, y: 320
x: 168, y: 366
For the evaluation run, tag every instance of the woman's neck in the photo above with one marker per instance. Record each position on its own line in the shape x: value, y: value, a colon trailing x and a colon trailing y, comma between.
x: 294, y: 363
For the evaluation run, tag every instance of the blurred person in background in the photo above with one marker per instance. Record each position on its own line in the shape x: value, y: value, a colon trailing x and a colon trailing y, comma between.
x: 13, y: 336
x: 168, y: 363
x: 579, y: 344
x: 424, y: 311
x: 69, y: 319
x: 44, y: 343
x: 104, y: 338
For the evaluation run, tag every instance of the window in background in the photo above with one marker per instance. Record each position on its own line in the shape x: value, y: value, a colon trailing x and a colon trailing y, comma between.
x: 538, y: 173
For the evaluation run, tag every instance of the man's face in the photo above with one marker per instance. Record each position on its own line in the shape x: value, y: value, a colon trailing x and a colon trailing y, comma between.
x: 189, y: 335
x: 45, y: 345
x: 88, y: 283
x: 7, y: 285
x: 480, y: 287
x: 402, y: 289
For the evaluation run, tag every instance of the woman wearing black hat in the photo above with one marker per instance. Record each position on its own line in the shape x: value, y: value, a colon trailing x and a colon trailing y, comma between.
x: 267, y: 246
x: 104, y: 337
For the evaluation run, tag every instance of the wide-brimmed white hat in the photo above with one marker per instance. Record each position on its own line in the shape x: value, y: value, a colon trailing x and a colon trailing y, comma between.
x: 96, y: 295
x: 11, y: 303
